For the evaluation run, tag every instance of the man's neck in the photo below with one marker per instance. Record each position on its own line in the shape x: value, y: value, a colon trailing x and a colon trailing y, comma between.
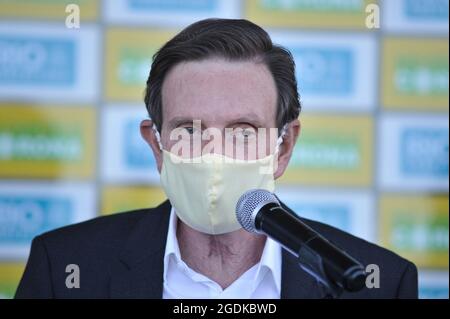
x: 222, y: 258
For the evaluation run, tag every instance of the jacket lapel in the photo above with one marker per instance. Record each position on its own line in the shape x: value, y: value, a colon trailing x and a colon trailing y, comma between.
x: 139, y: 272
x: 295, y: 282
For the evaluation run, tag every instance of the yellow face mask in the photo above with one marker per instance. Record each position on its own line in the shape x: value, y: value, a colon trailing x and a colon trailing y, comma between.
x: 205, y: 190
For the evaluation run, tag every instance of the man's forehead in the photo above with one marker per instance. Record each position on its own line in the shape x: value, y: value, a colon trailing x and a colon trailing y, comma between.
x: 219, y: 91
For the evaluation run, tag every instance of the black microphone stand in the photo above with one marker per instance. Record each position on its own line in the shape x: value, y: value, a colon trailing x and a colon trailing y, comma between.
x: 312, y: 263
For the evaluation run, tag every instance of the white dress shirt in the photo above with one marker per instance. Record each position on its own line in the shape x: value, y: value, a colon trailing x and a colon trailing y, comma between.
x: 261, y: 281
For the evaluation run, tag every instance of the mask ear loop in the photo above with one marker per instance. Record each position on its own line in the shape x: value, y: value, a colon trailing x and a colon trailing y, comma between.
x: 158, y: 136
x: 280, y: 138
x: 277, y: 149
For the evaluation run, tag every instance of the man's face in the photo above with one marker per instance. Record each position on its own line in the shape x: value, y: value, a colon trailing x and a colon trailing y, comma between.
x: 222, y: 95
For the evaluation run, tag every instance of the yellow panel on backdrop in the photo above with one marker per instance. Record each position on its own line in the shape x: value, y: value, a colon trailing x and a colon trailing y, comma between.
x: 47, y: 141
x: 416, y: 227
x: 309, y: 14
x: 415, y: 74
x: 128, y: 61
x: 10, y: 274
x: 122, y: 198
x: 332, y: 150
x: 49, y: 9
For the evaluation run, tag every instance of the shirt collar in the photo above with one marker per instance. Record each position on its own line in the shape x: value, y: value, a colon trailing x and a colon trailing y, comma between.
x: 270, y: 261
x: 172, y: 248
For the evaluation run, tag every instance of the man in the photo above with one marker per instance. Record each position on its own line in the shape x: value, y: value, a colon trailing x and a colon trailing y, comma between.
x: 216, y: 75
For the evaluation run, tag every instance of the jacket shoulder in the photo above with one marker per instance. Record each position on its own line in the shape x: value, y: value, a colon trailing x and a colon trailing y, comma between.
x: 100, y: 228
x: 395, y: 275
x: 94, y: 247
x: 100, y: 236
x: 355, y: 245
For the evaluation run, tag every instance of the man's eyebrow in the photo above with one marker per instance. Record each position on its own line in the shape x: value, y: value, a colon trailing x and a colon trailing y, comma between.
x: 251, y: 118
x: 177, y: 120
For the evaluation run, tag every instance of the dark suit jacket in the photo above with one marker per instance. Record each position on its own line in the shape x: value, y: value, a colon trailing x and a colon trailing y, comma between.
x: 121, y: 256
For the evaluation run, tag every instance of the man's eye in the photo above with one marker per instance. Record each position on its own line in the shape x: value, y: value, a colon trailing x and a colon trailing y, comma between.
x: 189, y: 129
x: 245, y: 134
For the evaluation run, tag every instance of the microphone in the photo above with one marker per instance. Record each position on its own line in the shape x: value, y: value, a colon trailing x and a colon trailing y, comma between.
x: 259, y: 211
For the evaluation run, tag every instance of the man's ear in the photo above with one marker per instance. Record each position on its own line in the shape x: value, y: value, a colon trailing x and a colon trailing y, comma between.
x: 149, y: 135
x: 286, y: 148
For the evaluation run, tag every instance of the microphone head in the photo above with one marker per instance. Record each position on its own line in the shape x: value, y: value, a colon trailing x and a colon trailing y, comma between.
x: 249, y: 204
